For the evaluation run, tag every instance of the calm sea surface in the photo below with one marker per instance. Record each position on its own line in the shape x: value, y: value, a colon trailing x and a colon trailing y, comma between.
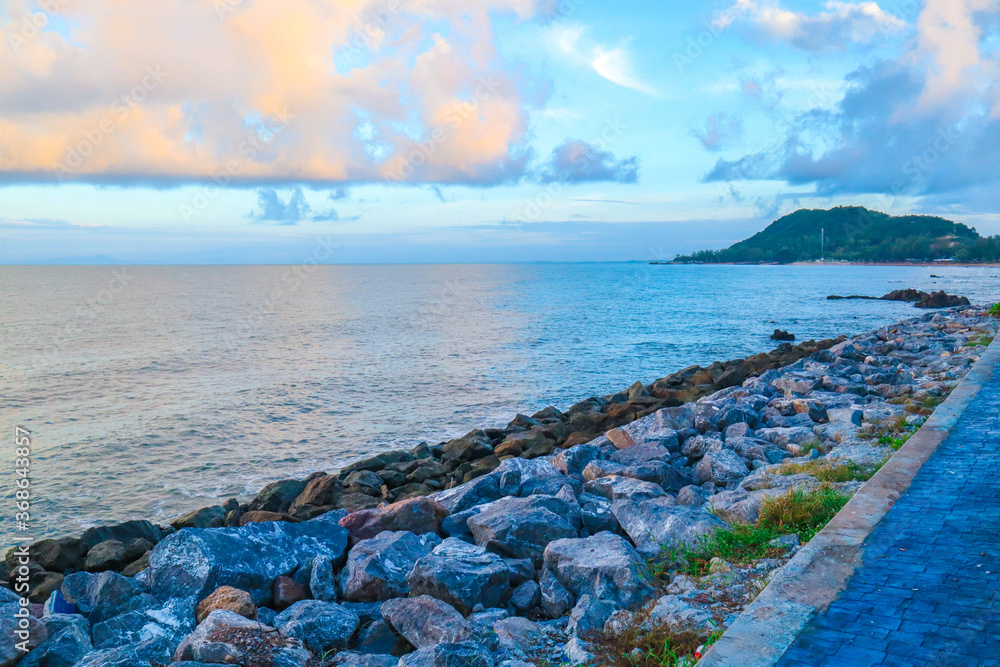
x: 151, y: 391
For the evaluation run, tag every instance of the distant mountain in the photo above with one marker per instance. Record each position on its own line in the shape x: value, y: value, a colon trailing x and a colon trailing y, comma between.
x: 857, y: 234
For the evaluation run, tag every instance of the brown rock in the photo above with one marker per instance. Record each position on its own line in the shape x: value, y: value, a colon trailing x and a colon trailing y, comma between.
x: 138, y: 566
x: 417, y: 515
x: 320, y: 491
x: 620, y: 438
x: 261, y: 516
x: 41, y: 591
x: 108, y: 555
x: 228, y: 598
x: 285, y: 592
x: 577, y: 438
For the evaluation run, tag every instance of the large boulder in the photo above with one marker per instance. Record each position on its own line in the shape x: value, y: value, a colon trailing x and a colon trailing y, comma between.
x: 522, y: 527
x: 603, y: 566
x: 416, y: 515
x: 462, y: 575
x: 123, y: 532
x: 196, y: 562
x: 721, y: 468
x: 163, y: 623
x: 653, y: 525
x: 35, y: 633
x: 62, y: 649
x: 206, y: 517
x: 481, y: 490
x: 425, y: 621
x: 572, y: 461
x: 377, y: 568
x: 617, y: 487
x: 227, y: 637
x: 277, y: 496
x: 321, y: 626
x: 101, y: 596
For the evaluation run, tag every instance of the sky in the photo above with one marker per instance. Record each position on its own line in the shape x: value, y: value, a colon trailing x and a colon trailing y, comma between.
x: 342, y: 131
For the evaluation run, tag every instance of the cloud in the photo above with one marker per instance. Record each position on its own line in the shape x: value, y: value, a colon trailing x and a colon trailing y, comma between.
x: 579, y: 162
x: 271, y: 208
x: 612, y: 63
x: 842, y: 23
x: 719, y: 131
x: 926, y: 124
x: 262, y: 92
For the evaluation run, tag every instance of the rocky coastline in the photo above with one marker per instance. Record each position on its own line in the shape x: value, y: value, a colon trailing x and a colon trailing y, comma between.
x: 541, y: 541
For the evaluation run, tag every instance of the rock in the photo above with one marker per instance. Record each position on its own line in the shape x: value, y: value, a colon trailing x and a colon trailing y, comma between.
x: 721, y: 468
x: 589, y: 615
x: 463, y: 654
x: 846, y: 416
x: 642, y: 454
x: 696, y: 447
x: 550, y: 486
x: 226, y: 637
x: 521, y: 570
x: 674, y: 611
x: 62, y: 649
x: 228, y: 598
x: 577, y: 652
x: 379, y: 637
x: 206, y: 517
x: 597, y: 517
x: 143, y: 654
x: 108, y: 555
x: 477, y: 492
x: 163, y: 624
x: 522, y: 527
x: 521, y: 636
x: 139, y: 565
x: 321, y: 491
x: 692, y: 496
x: 43, y: 589
x: 285, y: 592
x: 795, y: 438
x: 196, y: 562
x: 789, y: 541
x: 57, y: 555
x: 322, y: 582
x: 35, y: 633
x: 528, y: 469
x: 100, y: 596
x: 351, y: 659
x: 620, y: 438
x: 782, y: 335
x: 572, y: 461
x: 526, y: 597
x: 123, y: 532
x: 941, y: 300
x: 473, y: 446
x: 615, y: 487
x: 277, y: 496
x: 263, y: 516
x: 425, y: 621
x: 556, y: 599
x: 321, y: 626
x: 462, y: 575
x: 742, y: 506
x: 603, y: 566
x: 653, y: 525
x: 377, y: 568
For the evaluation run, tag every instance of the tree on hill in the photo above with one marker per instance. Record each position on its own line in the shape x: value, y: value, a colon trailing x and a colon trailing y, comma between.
x: 858, y: 234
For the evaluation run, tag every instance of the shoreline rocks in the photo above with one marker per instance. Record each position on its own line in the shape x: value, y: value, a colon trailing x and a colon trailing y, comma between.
x: 920, y: 299
x: 510, y: 559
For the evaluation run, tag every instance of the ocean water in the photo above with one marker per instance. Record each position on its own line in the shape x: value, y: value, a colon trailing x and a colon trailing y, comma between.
x: 151, y: 391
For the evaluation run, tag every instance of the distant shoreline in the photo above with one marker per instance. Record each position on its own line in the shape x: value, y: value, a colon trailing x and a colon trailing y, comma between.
x: 982, y: 265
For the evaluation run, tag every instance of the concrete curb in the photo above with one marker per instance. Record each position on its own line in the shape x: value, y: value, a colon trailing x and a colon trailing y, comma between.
x: 820, y: 571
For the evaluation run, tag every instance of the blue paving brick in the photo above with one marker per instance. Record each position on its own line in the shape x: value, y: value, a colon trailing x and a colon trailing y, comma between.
x: 928, y: 590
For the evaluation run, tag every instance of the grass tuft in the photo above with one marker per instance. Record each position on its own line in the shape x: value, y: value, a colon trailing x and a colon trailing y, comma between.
x: 826, y: 471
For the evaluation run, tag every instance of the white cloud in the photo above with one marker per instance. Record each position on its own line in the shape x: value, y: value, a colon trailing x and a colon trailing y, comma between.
x: 612, y: 63
x: 841, y: 23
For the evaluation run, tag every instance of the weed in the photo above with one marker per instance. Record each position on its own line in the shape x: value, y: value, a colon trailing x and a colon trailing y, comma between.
x: 995, y: 310
x: 982, y: 341
x: 802, y: 512
x: 645, y: 645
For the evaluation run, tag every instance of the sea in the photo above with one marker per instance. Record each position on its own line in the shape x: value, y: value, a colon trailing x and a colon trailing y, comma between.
x: 150, y: 391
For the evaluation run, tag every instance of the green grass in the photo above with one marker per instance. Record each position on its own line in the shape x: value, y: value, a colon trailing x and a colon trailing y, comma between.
x: 895, y: 442
x: 995, y: 310
x: 983, y: 341
x: 658, y: 646
x: 825, y: 471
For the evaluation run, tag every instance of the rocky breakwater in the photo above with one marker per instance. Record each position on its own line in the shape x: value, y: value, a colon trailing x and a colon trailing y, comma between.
x: 920, y: 299
x: 523, y: 559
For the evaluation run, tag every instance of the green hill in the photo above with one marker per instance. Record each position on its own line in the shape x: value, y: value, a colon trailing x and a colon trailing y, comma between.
x: 857, y: 234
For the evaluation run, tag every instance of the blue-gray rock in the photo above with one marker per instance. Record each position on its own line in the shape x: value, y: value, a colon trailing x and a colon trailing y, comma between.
x: 425, y: 621
x: 351, y: 659
x: 476, y: 492
x: 597, y: 517
x: 526, y: 597
x: 9, y: 624
x: 144, y: 654
x: 377, y: 568
x: 556, y: 600
x: 521, y: 527
x: 167, y: 623
x: 641, y: 454
x: 461, y: 574
x: 589, y: 615
x: 550, y: 486
x: 521, y: 570
x: 653, y: 525
x: 721, y: 468
x: 123, y: 532
x: 618, y: 487
x: 196, y: 562
x: 572, y: 461
x: 102, y: 596
x: 463, y: 654
x: 378, y: 637
x: 321, y: 626
x: 322, y: 582
x: 63, y: 649
x: 603, y: 566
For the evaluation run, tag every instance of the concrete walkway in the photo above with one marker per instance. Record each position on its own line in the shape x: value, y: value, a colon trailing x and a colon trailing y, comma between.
x: 927, y: 589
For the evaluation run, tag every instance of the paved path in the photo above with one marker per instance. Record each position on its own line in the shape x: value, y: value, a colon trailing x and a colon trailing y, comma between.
x: 928, y: 591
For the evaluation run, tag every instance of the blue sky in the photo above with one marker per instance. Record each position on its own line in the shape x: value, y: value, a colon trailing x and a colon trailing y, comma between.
x: 217, y: 131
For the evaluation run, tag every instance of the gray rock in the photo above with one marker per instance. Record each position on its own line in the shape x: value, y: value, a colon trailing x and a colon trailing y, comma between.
x: 550, y: 486
x: 462, y: 575
x: 616, y: 487
x: 206, y: 517
x: 123, y: 532
x: 379, y: 637
x: 692, y: 496
x: 741, y: 430
x: 721, y: 467
x: 196, y: 562
x: 556, y: 600
x: 462, y: 654
x: 322, y: 583
x: 572, y: 461
x: 653, y: 525
x: 521, y: 636
x: 62, y: 649
x: 101, y: 596
x: 377, y: 569
x: 143, y: 654
x: 697, y: 447
x: 598, y: 469
x: 321, y: 626
x: 166, y: 623
x: 597, y: 517
x: 522, y: 527
x: 479, y: 491
x: 529, y: 469
x: 742, y: 506
x: 676, y: 612
x: 425, y: 621
x: 578, y: 652
x: 603, y: 566
x: 351, y: 659
x: 521, y: 570
x: 642, y: 453
x: 277, y: 496
x: 108, y: 555
x: 56, y: 623
x: 525, y: 597
x: 589, y: 615
x: 227, y: 637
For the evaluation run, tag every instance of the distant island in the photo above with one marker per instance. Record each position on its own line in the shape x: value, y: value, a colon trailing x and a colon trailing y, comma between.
x: 855, y: 234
